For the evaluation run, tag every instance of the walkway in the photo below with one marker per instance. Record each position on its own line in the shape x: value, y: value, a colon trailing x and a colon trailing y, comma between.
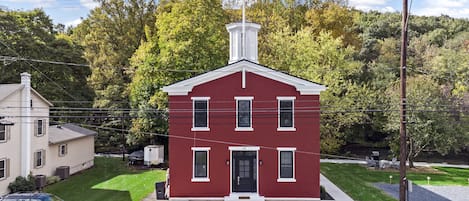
x: 333, y: 190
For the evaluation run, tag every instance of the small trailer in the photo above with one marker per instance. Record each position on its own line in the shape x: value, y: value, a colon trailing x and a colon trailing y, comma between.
x: 153, y: 155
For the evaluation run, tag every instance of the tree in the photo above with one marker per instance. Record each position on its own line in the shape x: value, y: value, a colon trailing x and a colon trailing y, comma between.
x: 430, y: 124
x: 110, y: 35
x: 31, y: 34
x: 191, y: 38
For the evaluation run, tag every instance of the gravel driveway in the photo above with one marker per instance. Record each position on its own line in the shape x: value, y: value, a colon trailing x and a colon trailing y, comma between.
x: 424, y: 193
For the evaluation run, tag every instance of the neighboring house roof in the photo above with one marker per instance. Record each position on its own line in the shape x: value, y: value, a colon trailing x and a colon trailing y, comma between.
x: 9, y: 89
x: 67, y: 132
x: 303, y: 86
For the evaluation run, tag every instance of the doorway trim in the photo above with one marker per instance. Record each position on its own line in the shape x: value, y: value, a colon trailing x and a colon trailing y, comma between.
x: 244, y: 148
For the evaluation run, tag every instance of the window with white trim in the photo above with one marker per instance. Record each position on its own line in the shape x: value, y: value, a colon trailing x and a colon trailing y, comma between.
x: 200, y: 114
x: 200, y: 169
x: 286, y: 121
x: 286, y: 164
x: 3, y: 168
x: 244, y: 113
x: 39, y: 127
x: 3, y: 133
x: 62, y: 149
x: 39, y: 158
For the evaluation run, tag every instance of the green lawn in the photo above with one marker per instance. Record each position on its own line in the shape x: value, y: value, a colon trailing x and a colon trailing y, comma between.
x: 356, y: 180
x: 109, y: 179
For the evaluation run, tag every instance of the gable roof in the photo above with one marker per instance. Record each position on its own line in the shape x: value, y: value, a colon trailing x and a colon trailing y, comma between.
x: 67, y: 132
x: 8, y: 89
x: 303, y: 86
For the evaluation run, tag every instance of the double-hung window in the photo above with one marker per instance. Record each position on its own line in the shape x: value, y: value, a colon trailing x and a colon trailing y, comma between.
x: 3, y: 133
x: 62, y: 149
x: 3, y: 168
x: 286, y: 121
x: 39, y: 158
x: 286, y: 164
x: 39, y: 127
x: 200, y: 114
x: 244, y: 113
x: 200, y: 169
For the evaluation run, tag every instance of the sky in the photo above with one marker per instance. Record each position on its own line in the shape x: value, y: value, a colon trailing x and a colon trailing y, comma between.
x: 71, y: 12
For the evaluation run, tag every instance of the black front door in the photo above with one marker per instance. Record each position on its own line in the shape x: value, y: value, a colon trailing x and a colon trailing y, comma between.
x: 244, y: 178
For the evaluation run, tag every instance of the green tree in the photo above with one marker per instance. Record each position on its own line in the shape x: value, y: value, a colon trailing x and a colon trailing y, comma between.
x: 110, y: 36
x: 191, y: 38
x: 430, y: 124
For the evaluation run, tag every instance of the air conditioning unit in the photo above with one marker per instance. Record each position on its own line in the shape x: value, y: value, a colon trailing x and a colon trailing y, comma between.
x: 153, y: 155
x: 63, y: 172
x: 40, y: 181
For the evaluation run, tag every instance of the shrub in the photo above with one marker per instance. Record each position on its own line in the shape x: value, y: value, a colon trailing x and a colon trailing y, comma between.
x: 52, y: 180
x: 22, y: 184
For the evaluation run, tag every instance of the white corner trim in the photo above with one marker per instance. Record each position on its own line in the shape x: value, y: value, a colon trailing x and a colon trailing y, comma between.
x: 243, y: 148
x: 200, y: 180
x: 200, y: 129
x: 195, y: 198
x: 286, y: 129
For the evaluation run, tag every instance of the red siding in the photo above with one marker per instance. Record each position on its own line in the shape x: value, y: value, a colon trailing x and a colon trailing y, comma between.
x: 222, y: 124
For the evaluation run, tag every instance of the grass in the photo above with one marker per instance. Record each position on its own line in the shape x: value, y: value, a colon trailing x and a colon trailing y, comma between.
x: 357, y: 181
x: 109, y: 179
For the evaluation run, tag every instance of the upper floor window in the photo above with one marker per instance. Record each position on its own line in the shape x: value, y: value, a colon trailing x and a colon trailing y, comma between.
x: 3, y: 133
x: 39, y: 158
x: 200, y: 164
x: 4, y: 168
x: 200, y: 114
x: 286, y: 168
x: 286, y: 114
x: 40, y: 127
x: 244, y: 113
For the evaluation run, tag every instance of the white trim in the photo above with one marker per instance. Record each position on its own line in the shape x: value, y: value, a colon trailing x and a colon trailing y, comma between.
x: 65, y: 148
x: 286, y: 98
x: 200, y: 179
x: 244, y: 148
x: 248, y: 98
x: 291, y: 149
x: 193, y: 114
x: 303, y: 86
x: 244, y: 78
x: 292, y: 199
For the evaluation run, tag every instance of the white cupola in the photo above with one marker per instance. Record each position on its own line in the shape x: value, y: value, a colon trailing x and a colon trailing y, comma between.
x: 243, y: 41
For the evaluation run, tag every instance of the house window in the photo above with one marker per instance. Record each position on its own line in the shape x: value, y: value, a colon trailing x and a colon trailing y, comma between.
x: 200, y: 114
x: 200, y: 164
x: 3, y: 168
x: 3, y: 133
x: 286, y: 164
x: 62, y: 149
x: 286, y: 114
x: 39, y: 158
x: 40, y: 127
x: 244, y: 113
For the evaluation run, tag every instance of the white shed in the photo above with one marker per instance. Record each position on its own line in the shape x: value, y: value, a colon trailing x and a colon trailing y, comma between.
x: 153, y: 155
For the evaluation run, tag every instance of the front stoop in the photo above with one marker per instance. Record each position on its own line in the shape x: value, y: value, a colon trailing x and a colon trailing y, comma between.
x: 244, y: 197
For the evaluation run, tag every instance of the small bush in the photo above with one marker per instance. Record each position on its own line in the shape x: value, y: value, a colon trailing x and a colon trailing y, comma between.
x: 22, y: 184
x: 52, y: 180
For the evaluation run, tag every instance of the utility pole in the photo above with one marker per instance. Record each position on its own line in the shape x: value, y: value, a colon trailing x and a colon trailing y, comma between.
x: 403, y: 135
